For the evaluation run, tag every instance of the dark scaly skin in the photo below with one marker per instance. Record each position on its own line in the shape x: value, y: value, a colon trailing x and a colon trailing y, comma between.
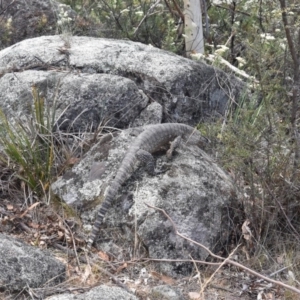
x: 149, y: 141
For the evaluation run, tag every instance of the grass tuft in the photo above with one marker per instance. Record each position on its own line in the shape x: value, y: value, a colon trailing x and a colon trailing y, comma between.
x: 29, y: 145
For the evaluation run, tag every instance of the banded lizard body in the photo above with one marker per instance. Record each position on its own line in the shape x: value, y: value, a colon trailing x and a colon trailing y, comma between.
x: 151, y: 140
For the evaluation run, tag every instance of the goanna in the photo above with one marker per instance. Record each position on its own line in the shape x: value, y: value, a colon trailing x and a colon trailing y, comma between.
x: 151, y: 140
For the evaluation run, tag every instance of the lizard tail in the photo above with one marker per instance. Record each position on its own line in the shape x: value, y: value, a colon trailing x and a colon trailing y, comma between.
x: 99, y: 219
x: 124, y: 171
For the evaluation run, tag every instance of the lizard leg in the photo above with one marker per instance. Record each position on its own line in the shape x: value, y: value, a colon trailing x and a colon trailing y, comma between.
x: 173, y: 146
x: 146, y: 158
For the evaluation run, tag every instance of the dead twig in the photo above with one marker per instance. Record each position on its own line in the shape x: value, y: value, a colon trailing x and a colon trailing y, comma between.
x: 226, y: 260
x: 176, y: 260
x: 217, y: 270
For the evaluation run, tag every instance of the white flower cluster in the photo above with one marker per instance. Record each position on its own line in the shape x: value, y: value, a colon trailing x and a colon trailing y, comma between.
x: 267, y: 36
x: 63, y: 15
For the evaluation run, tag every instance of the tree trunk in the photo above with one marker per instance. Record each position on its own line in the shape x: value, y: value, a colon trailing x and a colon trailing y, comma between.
x: 194, y: 42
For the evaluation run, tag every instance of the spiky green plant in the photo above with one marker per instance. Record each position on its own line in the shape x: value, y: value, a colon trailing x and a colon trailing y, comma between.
x: 29, y: 145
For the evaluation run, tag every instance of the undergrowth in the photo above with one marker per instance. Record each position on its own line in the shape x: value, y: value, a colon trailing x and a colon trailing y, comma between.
x: 30, y: 145
x: 254, y: 144
x: 257, y: 139
x: 34, y: 151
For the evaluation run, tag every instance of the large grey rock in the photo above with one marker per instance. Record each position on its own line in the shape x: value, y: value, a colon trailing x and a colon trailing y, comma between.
x: 193, y: 190
x: 102, y: 292
x: 165, y: 292
x: 23, y: 266
x: 188, y: 91
x: 85, y: 100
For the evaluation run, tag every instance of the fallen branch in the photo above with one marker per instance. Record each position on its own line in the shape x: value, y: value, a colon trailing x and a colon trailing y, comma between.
x: 226, y: 260
x: 217, y: 270
x: 175, y: 260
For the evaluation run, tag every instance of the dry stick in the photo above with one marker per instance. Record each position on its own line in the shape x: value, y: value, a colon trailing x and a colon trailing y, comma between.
x: 195, y: 261
x: 199, y: 277
x: 217, y: 270
x: 175, y: 260
x: 228, y: 261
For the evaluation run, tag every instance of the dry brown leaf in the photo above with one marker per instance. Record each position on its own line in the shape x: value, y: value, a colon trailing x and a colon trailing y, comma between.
x: 270, y: 296
x: 60, y: 234
x: 291, y: 276
x: 33, y: 206
x: 155, y: 275
x: 265, y: 296
x: 33, y: 225
x: 85, y: 275
x: 9, y: 207
x: 246, y: 252
x: 165, y: 279
x: 73, y: 160
x: 124, y: 266
x: 194, y: 296
x: 103, y: 256
x: 42, y: 243
x: 280, y: 259
x: 28, y: 209
x: 246, y: 230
